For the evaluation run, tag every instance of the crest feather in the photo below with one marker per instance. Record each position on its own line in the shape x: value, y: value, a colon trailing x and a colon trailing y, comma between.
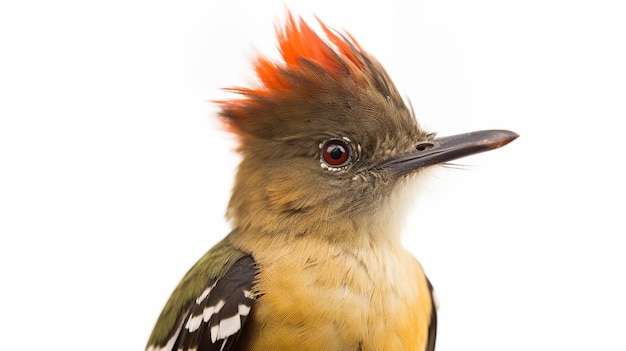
x: 301, y: 50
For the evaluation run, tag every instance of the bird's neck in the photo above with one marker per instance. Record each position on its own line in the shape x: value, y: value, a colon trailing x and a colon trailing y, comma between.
x: 283, y: 207
x: 382, y: 226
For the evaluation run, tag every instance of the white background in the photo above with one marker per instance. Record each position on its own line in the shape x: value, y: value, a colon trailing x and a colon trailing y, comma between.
x: 114, y: 174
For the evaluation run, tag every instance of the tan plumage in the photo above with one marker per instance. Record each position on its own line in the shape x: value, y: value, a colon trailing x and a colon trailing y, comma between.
x: 327, y: 296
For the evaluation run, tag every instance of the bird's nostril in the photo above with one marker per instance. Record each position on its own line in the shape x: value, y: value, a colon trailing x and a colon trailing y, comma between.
x: 424, y: 146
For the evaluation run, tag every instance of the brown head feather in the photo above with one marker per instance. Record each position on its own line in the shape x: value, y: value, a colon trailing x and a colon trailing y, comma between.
x: 313, y: 71
x: 324, y: 86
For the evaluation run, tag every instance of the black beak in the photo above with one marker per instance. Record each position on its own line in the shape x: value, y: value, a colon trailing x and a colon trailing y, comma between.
x: 450, y: 148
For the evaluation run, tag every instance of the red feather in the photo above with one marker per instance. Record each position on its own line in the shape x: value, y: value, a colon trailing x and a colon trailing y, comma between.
x: 340, y: 56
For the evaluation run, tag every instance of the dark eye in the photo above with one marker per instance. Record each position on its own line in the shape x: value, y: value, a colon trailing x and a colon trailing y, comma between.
x: 336, y: 153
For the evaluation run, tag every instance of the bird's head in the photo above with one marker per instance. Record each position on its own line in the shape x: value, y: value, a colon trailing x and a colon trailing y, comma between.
x: 327, y: 141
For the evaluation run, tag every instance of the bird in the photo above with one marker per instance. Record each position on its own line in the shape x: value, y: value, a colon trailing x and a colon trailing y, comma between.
x: 330, y: 152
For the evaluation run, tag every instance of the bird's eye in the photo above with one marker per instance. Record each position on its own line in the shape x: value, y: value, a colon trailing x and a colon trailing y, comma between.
x: 335, y: 153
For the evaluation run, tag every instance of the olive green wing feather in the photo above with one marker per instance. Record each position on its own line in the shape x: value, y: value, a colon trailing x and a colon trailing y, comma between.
x: 210, y: 305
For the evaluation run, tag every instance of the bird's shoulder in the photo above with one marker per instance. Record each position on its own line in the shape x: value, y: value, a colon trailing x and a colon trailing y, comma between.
x: 210, y: 305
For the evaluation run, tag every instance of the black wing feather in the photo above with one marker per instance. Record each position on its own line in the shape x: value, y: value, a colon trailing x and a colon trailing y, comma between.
x: 432, y: 327
x: 214, y: 320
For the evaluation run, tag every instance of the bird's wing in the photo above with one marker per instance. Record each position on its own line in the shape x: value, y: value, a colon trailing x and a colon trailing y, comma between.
x: 432, y: 326
x: 211, y: 319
